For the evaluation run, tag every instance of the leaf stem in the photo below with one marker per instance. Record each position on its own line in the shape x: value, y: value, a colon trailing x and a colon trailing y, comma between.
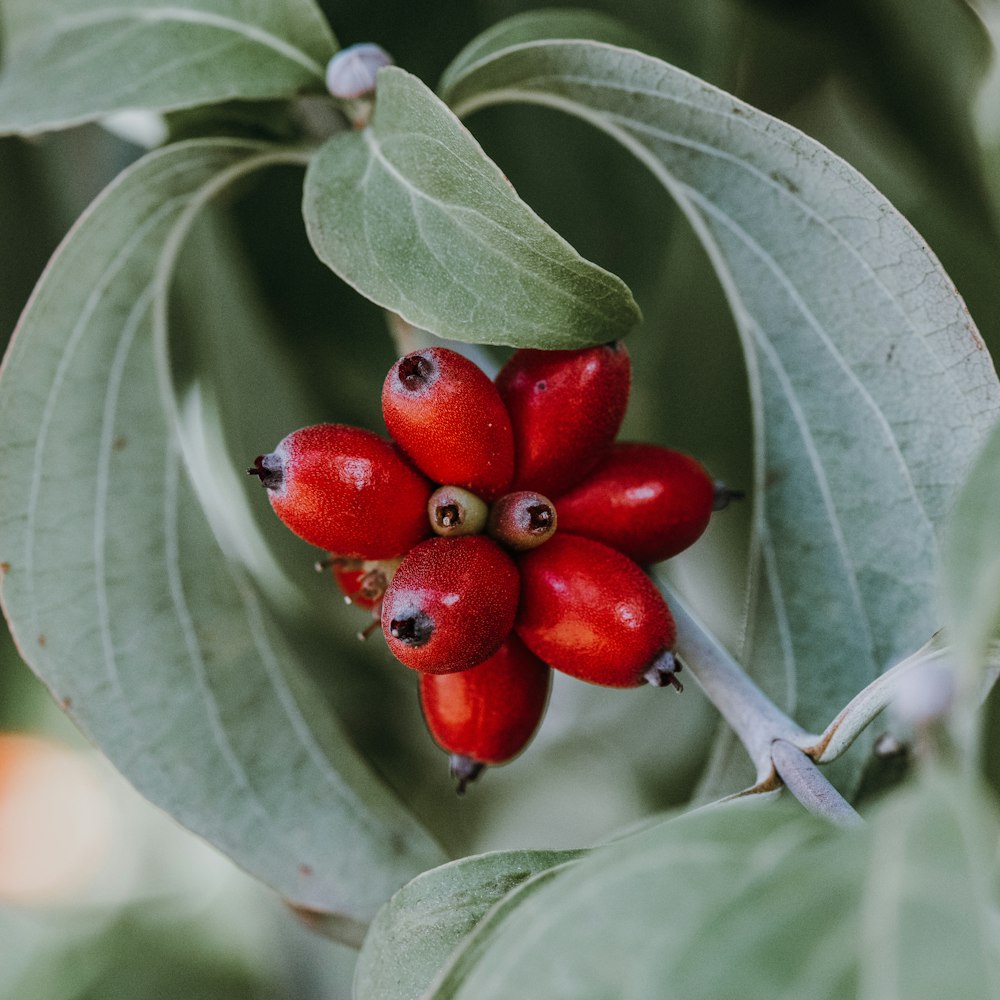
x: 755, y: 719
x: 803, y: 779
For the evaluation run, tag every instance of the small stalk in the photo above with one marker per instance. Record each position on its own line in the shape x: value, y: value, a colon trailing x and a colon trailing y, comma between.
x: 804, y: 780
x: 755, y: 719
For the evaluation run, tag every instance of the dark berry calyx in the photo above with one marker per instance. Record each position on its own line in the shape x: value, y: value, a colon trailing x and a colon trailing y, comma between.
x: 414, y: 629
x: 723, y: 495
x: 522, y: 520
x: 415, y: 372
x: 664, y: 671
x: 463, y: 770
x: 269, y: 469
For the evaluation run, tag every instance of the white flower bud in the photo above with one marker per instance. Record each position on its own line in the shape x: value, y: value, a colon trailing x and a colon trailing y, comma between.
x: 350, y: 74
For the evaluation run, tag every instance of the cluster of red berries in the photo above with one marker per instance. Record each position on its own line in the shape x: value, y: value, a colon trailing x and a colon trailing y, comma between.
x: 499, y: 534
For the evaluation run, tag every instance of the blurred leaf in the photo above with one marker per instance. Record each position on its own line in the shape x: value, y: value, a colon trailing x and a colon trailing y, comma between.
x: 117, y: 591
x: 925, y: 91
x: 71, y: 61
x: 972, y: 560
x: 412, y: 213
x: 870, y: 386
x: 416, y: 931
x: 758, y: 900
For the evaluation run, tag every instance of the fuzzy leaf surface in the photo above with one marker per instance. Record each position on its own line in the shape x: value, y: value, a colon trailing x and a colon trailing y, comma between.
x: 72, y: 61
x: 870, y: 386
x: 972, y: 560
x: 117, y: 590
x: 412, y: 213
x: 758, y: 900
x: 415, y: 932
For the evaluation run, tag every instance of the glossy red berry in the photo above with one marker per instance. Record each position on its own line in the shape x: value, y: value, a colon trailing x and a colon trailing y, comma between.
x: 447, y: 415
x: 451, y: 603
x: 591, y: 612
x: 565, y: 408
x: 487, y: 714
x: 646, y: 501
x: 346, y: 490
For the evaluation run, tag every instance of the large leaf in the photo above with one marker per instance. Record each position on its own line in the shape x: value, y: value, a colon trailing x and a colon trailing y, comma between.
x: 415, y: 932
x: 972, y: 561
x: 70, y: 61
x: 870, y: 386
x: 412, y: 213
x: 116, y: 588
x: 752, y: 900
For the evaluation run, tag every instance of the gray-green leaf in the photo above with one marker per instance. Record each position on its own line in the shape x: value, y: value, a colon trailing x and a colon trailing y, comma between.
x: 870, y: 386
x: 415, y: 932
x: 71, y: 61
x: 413, y: 214
x: 753, y: 900
x: 116, y: 588
x: 972, y: 560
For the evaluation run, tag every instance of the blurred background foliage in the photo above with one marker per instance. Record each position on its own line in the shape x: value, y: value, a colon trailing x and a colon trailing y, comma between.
x: 905, y: 90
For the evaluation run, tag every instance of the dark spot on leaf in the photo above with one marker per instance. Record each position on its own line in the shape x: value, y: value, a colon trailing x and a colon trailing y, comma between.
x: 65, y: 704
x: 785, y: 181
x: 890, y: 353
x: 541, y: 385
x: 4, y: 567
x: 119, y: 442
x: 305, y: 870
x: 42, y: 639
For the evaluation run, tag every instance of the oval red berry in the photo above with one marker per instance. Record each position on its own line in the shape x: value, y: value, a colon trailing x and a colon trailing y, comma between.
x: 591, y: 612
x: 646, y: 501
x: 447, y: 415
x: 565, y: 409
x: 346, y: 490
x: 489, y: 712
x: 451, y: 604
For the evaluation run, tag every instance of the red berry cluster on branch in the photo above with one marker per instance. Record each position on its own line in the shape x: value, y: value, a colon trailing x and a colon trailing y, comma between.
x: 500, y: 534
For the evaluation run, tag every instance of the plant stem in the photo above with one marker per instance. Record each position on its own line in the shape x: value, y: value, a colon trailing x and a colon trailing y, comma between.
x: 804, y: 780
x: 755, y: 719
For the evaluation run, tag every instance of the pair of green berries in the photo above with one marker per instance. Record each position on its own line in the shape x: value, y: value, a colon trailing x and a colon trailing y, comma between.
x: 499, y: 534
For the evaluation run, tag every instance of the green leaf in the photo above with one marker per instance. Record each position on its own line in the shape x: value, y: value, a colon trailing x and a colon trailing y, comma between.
x: 117, y: 590
x: 929, y: 881
x: 416, y: 931
x: 870, y: 386
x: 757, y: 900
x: 412, y: 213
x: 72, y: 61
x: 972, y: 561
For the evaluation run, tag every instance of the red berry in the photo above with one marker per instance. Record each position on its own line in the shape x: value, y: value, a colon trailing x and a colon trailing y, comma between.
x: 646, y: 501
x: 451, y: 604
x: 346, y: 490
x: 487, y: 714
x: 565, y: 408
x: 363, y: 582
x: 447, y: 415
x: 591, y: 612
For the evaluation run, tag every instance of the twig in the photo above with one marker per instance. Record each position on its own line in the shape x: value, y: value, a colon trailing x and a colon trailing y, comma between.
x: 755, y: 719
x: 804, y: 780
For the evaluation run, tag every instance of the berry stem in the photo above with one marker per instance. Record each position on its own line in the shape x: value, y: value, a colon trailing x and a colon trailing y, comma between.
x: 755, y: 719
